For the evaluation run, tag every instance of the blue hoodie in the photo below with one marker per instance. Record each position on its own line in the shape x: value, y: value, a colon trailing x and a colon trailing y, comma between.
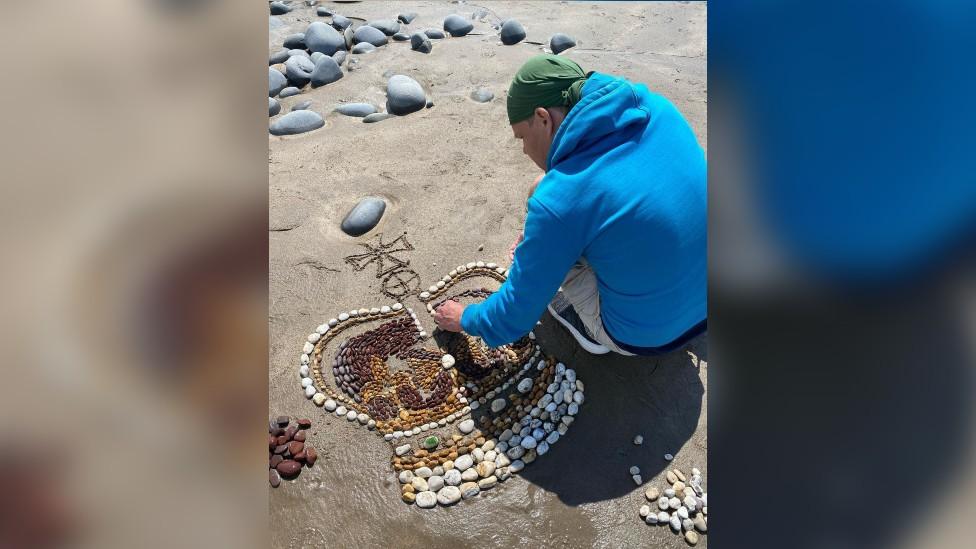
x: 625, y: 189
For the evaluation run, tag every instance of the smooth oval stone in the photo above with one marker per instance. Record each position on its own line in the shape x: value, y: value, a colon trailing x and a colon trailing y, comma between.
x: 302, y: 106
x: 276, y: 82
x: 316, y: 55
x: 401, y: 37
x: 274, y: 478
x: 339, y: 57
x: 376, y: 117
x: 457, y: 25
x: 483, y: 95
x: 426, y: 499
x: 434, y: 33
x: 420, y: 42
x: 298, y: 70
x: 303, y: 53
x: 691, y: 537
x: 326, y: 71
x: 369, y: 34
x: 388, y: 27
x: 363, y: 216
x: 323, y: 38
x: 469, y: 490
x: 407, y: 17
x: 274, y: 107
x: 404, y: 95
x: 297, y: 122
x: 512, y: 32
x: 466, y: 427
x: 561, y: 42
x: 363, y: 47
x: 289, y: 91
x: 356, y: 109
x: 289, y: 468
x: 449, y: 495
x: 347, y: 35
x: 323, y: 12
x: 295, y: 41
x: 340, y: 22
x: 278, y: 8
x: 278, y: 57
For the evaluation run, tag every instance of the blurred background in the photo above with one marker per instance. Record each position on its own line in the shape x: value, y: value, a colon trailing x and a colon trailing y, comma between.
x: 134, y: 274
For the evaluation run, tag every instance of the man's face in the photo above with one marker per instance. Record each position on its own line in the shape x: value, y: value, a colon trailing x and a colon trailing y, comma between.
x: 536, y: 134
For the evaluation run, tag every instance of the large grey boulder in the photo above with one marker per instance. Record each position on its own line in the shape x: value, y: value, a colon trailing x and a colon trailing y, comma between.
x: 404, y: 95
x: 326, y: 71
x: 323, y: 38
x: 457, y: 25
x: 512, y: 32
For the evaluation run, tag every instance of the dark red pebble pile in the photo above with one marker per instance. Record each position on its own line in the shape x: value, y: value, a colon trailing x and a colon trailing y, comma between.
x: 287, y: 451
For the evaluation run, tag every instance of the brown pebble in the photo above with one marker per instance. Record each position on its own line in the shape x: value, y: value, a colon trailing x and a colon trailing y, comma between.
x: 295, y: 446
x: 274, y: 478
x: 275, y: 460
x: 300, y: 456
x: 299, y: 436
x: 310, y: 456
x: 289, y: 468
x: 290, y: 432
x: 282, y: 440
x: 304, y: 423
x: 272, y: 442
x: 281, y: 449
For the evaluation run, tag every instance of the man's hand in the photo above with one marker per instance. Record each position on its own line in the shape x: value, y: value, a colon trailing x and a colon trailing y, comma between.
x: 448, y: 316
x: 511, y: 251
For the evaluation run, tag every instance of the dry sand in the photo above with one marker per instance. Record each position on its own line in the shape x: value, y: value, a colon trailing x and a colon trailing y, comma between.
x: 455, y: 179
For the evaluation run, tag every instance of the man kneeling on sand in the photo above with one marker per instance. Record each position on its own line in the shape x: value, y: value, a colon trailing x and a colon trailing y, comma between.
x: 614, y: 240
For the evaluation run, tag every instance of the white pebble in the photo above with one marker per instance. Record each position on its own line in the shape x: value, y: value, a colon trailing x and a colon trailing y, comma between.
x: 637, y: 480
x: 310, y: 391
x: 644, y: 511
x: 668, y: 457
x: 306, y: 382
x: 330, y: 405
x: 635, y: 470
x: 313, y: 337
x: 351, y: 415
x: 638, y: 440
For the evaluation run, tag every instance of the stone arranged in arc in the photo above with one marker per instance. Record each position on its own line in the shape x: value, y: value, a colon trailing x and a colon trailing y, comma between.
x: 560, y: 43
x: 323, y: 38
x: 326, y: 71
x: 363, y: 216
x: 389, y: 27
x: 512, y: 32
x: 297, y: 122
x: 356, y: 109
x: 276, y: 82
x: 274, y: 107
x: 457, y: 25
x: 420, y: 42
x: 369, y: 34
x: 404, y: 95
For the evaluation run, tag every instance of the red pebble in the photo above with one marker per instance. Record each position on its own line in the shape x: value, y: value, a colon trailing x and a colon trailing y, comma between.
x: 289, y: 468
x: 294, y: 447
x: 310, y: 456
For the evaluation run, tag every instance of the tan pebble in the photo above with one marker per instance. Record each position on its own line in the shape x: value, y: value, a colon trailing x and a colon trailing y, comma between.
x: 652, y: 493
x: 407, y: 487
x: 680, y: 475
x: 672, y: 478
x: 679, y: 486
x: 409, y: 497
x: 691, y: 537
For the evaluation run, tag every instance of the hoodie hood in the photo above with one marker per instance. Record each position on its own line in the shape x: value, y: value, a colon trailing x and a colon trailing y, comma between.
x: 609, y: 109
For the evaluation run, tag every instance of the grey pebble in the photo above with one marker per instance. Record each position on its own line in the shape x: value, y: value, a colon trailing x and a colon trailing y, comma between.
x: 289, y: 91
x: 323, y: 12
x: 326, y: 71
x: 339, y: 57
x: 561, y: 42
x: 482, y: 95
x: 278, y: 57
x: 302, y: 106
x: 401, y: 37
x: 434, y: 34
x: 356, y: 109
x: 347, y: 35
x: 512, y: 32
x: 420, y: 42
x: 274, y: 107
x: 376, y: 117
x: 316, y: 55
x: 276, y: 82
x: 404, y: 95
x: 298, y: 70
x: 323, y: 38
x: 295, y: 41
x: 278, y: 8
x: 303, y: 53
x: 389, y: 27
x: 457, y: 25
x: 340, y: 22
x: 369, y: 34
x: 297, y: 122
x: 363, y: 47
x: 407, y: 17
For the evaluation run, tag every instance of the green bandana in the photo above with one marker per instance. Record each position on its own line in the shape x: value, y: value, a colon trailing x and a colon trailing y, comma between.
x: 544, y: 81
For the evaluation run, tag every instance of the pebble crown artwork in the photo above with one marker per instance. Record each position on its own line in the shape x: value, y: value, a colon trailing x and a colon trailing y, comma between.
x: 472, y: 402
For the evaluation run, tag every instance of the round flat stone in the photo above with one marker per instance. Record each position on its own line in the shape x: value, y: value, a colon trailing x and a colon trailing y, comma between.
x: 466, y: 426
x: 434, y: 34
x: 469, y: 490
x: 278, y: 57
x: 363, y: 216
x: 449, y: 495
x: 368, y: 34
x: 356, y: 109
x: 289, y: 91
x: 404, y: 95
x: 421, y: 42
x: 426, y: 499
x: 276, y: 82
x: 295, y: 41
x: 401, y: 37
x: 297, y: 122
x: 512, y: 32
x: 457, y: 25
x: 561, y: 42
x: 375, y: 117
x: 274, y: 107
x: 323, y: 38
x: 388, y: 27
x: 482, y: 95
x: 363, y: 47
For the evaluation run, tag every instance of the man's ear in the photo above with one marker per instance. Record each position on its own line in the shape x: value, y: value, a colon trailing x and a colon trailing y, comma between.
x: 543, y: 114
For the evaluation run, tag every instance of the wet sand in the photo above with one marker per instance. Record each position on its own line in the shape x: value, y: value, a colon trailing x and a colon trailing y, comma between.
x: 455, y: 179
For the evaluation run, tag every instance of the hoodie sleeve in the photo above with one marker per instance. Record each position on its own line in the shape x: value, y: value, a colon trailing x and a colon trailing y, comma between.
x: 547, y: 252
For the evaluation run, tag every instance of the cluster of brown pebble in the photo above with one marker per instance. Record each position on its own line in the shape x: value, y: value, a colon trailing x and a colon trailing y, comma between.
x: 352, y: 366
x: 287, y: 451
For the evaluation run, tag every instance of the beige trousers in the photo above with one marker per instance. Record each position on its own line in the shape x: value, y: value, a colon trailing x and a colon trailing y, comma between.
x: 580, y: 289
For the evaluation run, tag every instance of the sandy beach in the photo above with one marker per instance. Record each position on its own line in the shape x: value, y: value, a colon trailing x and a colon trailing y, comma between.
x: 455, y: 182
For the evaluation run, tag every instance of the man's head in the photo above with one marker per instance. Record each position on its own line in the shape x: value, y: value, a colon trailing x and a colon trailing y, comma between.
x: 542, y: 93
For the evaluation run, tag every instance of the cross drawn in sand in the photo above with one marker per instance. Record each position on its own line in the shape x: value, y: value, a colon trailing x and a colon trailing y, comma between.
x: 382, y: 255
